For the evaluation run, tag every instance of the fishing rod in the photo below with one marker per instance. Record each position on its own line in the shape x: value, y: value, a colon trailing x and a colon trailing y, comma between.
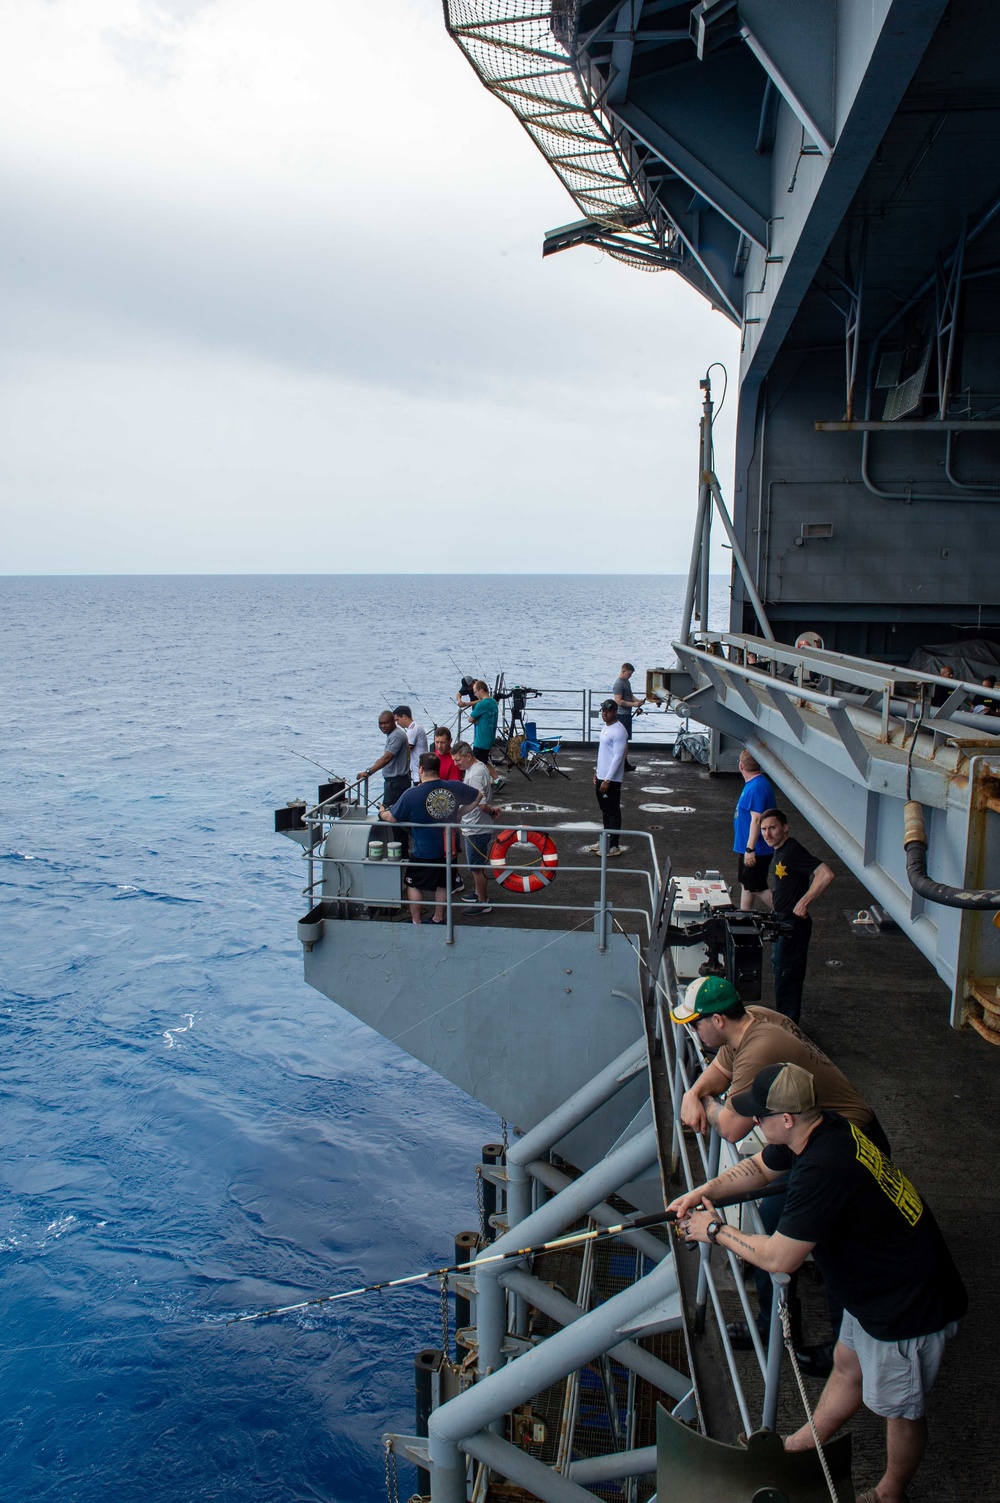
x: 572, y: 1239
x: 320, y: 765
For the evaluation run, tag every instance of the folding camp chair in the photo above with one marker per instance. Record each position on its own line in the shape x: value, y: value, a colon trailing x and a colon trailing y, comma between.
x: 539, y: 756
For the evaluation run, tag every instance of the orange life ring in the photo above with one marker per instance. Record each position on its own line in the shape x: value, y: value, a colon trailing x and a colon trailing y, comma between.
x: 524, y: 879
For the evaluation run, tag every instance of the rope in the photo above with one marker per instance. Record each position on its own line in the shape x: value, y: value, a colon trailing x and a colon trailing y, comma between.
x: 786, y: 1328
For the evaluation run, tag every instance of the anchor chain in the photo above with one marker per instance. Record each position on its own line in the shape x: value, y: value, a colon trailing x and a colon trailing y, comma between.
x: 481, y: 1205
x: 445, y: 1323
x: 391, y: 1471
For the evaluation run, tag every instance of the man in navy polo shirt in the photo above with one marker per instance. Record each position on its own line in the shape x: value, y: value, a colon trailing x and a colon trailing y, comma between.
x: 430, y: 806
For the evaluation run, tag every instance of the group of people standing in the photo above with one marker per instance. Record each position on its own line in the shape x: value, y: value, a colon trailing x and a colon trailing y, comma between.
x: 427, y: 789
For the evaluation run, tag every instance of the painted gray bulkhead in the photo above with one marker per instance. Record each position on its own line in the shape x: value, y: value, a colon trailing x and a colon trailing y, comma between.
x: 823, y: 164
x: 517, y: 1018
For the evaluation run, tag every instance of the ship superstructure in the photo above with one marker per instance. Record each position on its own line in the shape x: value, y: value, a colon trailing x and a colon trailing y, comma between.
x: 826, y: 175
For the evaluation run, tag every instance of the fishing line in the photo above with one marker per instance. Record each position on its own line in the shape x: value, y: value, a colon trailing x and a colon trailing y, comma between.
x: 320, y: 765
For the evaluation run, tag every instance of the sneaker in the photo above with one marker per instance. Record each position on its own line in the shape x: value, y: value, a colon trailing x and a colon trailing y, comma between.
x: 815, y: 1361
x: 616, y: 850
x: 868, y: 1496
x: 479, y: 907
x: 594, y: 850
x: 499, y: 783
x: 457, y: 883
x: 739, y: 1336
x: 469, y: 897
x: 629, y: 767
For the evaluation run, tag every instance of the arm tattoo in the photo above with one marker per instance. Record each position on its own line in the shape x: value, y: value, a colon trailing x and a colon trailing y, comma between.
x: 741, y: 1242
x: 713, y: 1106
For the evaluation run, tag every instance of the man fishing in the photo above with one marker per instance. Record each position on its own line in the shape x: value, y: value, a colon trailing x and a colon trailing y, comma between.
x: 877, y: 1245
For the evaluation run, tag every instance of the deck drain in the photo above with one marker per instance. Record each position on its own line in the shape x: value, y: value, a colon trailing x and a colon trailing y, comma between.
x: 656, y: 790
x: 668, y: 809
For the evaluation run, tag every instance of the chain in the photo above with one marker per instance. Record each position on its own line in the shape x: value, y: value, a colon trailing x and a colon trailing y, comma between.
x: 503, y: 1135
x: 445, y: 1333
x: 786, y: 1327
x: 481, y: 1205
x: 391, y: 1472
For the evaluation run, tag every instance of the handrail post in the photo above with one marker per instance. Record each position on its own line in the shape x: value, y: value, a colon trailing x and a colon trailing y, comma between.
x: 449, y: 933
x: 772, y: 1377
x: 583, y: 715
x: 602, y: 904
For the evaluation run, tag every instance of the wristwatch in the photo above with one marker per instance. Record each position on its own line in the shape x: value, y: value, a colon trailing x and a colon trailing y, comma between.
x: 712, y: 1231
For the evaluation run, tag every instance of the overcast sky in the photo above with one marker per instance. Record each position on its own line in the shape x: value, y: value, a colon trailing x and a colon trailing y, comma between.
x: 274, y: 301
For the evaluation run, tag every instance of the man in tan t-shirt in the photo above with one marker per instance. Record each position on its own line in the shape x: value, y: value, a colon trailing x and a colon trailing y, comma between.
x: 745, y: 1040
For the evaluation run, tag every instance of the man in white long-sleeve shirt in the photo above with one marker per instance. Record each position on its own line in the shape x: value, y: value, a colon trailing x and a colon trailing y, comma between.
x: 608, y: 778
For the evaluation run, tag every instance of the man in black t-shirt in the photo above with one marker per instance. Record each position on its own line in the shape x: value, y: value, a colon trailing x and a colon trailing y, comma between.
x: 877, y: 1246
x: 796, y: 878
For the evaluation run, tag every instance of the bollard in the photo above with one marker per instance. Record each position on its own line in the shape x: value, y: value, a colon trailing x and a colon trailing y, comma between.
x: 493, y: 1153
x: 425, y: 1365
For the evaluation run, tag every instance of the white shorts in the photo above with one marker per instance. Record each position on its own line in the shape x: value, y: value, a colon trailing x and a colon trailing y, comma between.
x: 896, y: 1376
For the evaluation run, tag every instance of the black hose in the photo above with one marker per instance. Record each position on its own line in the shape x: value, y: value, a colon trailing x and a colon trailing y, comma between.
x: 915, y: 845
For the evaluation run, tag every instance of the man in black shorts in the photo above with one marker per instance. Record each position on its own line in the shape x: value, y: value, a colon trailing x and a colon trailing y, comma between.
x: 796, y: 879
x: 877, y: 1245
x: 753, y: 851
x: 432, y: 804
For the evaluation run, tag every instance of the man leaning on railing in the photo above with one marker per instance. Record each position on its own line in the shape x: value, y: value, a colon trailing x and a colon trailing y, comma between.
x: 877, y: 1245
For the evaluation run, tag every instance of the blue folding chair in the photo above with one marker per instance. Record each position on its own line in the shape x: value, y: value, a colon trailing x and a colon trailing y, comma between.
x: 540, y: 756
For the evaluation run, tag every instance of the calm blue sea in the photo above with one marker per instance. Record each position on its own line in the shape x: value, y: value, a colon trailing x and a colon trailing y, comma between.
x: 189, y: 1131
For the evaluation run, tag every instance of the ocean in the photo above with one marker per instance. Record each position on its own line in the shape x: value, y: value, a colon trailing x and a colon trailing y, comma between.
x: 189, y: 1131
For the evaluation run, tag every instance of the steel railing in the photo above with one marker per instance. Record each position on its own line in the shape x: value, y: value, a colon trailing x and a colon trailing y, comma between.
x: 601, y: 910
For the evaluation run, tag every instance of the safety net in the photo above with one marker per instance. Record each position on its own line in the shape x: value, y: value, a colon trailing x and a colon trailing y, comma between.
x: 525, y: 52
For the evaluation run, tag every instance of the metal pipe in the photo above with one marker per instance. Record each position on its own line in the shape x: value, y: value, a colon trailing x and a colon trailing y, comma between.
x: 425, y: 1364
x: 740, y: 558
x: 604, y: 1214
x: 537, y: 1369
x: 602, y: 909
x: 492, y: 1154
x: 915, y: 846
x: 523, y: 1470
x: 449, y: 914
x: 614, y: 1171
x: 629, y: 1353
x: 597, y: 1469
x: 693, y: 569
x: 961, y: 485
x: 772, y: 1374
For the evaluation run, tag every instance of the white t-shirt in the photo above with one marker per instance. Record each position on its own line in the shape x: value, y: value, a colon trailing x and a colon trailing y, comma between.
x: 417, y: 737
x: 478, y: 778
x: 611, y: 753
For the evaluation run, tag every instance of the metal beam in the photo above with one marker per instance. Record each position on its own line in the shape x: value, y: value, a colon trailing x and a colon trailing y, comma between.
x: 722, y: 196
x: 621, y: 50
x: 795, y: 42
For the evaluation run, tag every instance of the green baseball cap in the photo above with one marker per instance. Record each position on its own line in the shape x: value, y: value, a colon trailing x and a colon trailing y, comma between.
x: 703, y: 997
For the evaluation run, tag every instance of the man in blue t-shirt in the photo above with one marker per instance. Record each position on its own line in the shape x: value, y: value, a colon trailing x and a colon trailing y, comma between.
x: 754, y: 853
x: 428, y: 807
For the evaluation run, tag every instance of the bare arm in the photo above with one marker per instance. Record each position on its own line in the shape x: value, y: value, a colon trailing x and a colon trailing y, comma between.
x: 822, y: 877
x: 742, y: 1178
x: 712, y: 1080
x: 750, y: 855
x: 774, y: 1254
x: 382, y: 762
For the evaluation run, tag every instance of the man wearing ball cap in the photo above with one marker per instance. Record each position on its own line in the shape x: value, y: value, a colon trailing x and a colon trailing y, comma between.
x: 744, y: 1040
x: 877, y: 1245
